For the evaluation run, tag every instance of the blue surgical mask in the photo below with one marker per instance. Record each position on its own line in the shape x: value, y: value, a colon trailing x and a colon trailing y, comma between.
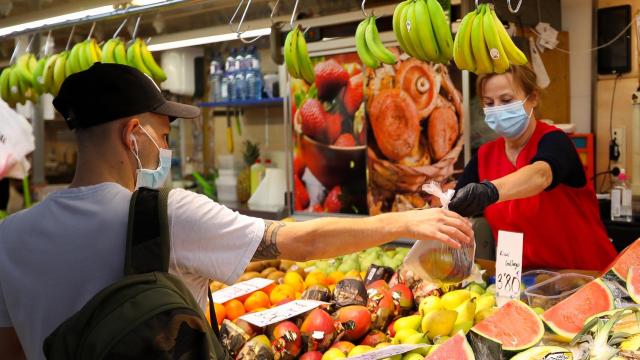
x: 509, y: 120
x: 152, y: 179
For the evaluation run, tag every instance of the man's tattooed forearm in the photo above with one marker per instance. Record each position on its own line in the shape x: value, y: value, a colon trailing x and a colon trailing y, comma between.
x: 268, y: 248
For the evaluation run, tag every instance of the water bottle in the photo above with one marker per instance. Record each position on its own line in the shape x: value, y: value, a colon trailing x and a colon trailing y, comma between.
x: 254, y: 77
x: 228, y: 80
x: 215, y: 79
x: 239, y: 78
x: 621, y: 201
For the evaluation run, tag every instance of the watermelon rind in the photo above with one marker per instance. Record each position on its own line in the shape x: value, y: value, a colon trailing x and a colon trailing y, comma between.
x: 633, y: 277
x: 568, y: 335
x: 508, y: 320
x: 628, y: 257
x: 539, y: 352
x: 444, y: 348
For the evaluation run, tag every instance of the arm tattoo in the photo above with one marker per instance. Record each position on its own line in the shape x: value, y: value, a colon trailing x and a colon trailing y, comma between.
x: 268, y: 248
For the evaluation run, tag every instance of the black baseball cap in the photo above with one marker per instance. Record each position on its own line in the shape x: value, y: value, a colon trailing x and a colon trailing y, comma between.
x: 106, y: 92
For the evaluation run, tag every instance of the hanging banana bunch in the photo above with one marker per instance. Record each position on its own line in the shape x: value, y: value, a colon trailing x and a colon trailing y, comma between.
x: 370, y: 49
x: 296, y: 56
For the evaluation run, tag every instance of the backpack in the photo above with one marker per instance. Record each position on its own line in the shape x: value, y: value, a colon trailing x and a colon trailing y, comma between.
x: 149, y: 313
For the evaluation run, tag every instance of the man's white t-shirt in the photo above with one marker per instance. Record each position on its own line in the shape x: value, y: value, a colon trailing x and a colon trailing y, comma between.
x: 57, y: 255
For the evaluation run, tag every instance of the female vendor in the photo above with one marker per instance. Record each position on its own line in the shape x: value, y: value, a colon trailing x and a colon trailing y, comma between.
x: 530, y: 180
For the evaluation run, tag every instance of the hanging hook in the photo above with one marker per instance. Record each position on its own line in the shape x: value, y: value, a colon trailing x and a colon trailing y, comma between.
x: 46, y: 43
x: 293, y: 14
x: 235, y: 13
x: 73, y: 29
x: 115, y: 35
x: 93, y: 26
x: 362, y: 7
x: 28, y: 48
x: 244, y: 14
x: 477, y: 4
x: 135, y: 28
x: 517, y: 7
x: 273, y: 11
x: 15, y: 52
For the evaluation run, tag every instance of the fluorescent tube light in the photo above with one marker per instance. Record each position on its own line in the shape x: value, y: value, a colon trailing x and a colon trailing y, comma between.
x: 208, y: 39
x: 56, y: 19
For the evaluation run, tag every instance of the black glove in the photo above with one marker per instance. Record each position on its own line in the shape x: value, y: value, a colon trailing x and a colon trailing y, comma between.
x: 473, y: 198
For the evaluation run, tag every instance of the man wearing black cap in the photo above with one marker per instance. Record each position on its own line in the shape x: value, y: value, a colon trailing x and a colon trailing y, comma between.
x: 55, y: 256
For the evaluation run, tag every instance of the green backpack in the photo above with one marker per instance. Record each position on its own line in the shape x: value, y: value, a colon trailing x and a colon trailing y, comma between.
x: 149, y: 313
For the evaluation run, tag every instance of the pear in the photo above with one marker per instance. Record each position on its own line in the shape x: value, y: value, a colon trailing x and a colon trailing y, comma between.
x: 465, y: 326
x: 491, y: 289
x: 418, y: 338
x: 384, y: 345
x: 429, y: 303
x: 407, y: 322
x: 483, y: 314
x: 538, y: 310
x: 466, y: 312
x: 360, y: 349
x: 453, y: 299
x: 475, y: 288
x: 413, y: 356
x: 402, y: 334
x: 439, y: 322
x: 333, y: 354
x: 485, y: 301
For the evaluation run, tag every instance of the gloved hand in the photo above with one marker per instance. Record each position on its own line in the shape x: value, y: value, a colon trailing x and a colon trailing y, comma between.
x: 473, y: 198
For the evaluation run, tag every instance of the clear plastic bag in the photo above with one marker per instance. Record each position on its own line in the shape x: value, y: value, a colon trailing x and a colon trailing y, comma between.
x: 436, y: 262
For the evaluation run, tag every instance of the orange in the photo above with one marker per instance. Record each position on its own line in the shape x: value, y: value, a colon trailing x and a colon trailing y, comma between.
x: 282, y: 292
x: 295, y: 280
x: 270, y: 287
x: 258, y: 310
x: 315, y: 278
x: 258, y: 299
x: 221, y: 313
x: 335, y: 277
x: 234, y: 309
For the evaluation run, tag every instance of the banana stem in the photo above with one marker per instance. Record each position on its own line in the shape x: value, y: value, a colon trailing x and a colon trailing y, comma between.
x: 115, y: 35
x: 73, y: 29
x: 46, y: 44
x: 136, y: 27
x: 93, y: 27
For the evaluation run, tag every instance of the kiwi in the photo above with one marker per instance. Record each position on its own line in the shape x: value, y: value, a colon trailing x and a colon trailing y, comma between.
x: 285, y: 265
x: 267, y: 271
x: 275, y: 275
x: 273, y: 263
x: 249, y: 275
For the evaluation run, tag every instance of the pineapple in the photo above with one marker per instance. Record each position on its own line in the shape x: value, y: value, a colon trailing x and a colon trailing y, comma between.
x: 250, y: 154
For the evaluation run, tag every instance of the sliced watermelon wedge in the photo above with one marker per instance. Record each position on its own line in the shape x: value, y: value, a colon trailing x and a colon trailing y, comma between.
x: 567, y: 317
x: 516, y: 326
x: 456, y: 348
x: 633, y: 283
x: 626, y: 259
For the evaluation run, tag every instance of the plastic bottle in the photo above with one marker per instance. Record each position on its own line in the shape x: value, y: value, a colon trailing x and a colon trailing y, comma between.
x: 621, y: 200
x: 228, y: 80
x: 215, y: 79
x: 254, y: 75
x: 257, y: 172
x: 240, y: 84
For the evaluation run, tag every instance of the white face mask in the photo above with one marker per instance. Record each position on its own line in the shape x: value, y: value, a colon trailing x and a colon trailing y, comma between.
x: 152, y: 179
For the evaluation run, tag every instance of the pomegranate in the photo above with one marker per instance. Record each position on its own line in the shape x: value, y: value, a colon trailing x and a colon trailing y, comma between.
x: 318, y: 329
x: 344, y: 346
x: 374, y: 337
x: 249, y: 328
x: 390, y: 330
x: 404, y: 296
x: 311, y: 355
x: 382, y: 308
x: 378, y: 286
x: 356, y: 319
x: 287, y: 340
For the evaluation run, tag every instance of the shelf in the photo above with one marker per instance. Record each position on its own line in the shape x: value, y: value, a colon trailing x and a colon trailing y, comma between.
x: 269, y: 214
x: 243, y: 103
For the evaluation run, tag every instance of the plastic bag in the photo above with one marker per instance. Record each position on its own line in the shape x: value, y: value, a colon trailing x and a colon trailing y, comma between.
x: 436, y: 262
x: 16, y: 142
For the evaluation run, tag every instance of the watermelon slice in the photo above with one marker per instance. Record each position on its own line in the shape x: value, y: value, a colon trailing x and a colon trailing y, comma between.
x: 541, y: 353
x: 567, y: 317
x: 627, y: 258
x: 633, y: 283
x: 516, y: 326
x: 456, y: 348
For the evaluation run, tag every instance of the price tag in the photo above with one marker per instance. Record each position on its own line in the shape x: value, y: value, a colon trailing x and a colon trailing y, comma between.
x: 242, y: 288
x: 282, y: 312
x: 508, y: 266
x: 388, y: 351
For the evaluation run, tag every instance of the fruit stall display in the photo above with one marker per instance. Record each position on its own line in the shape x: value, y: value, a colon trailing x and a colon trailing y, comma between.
x: 370, y: 302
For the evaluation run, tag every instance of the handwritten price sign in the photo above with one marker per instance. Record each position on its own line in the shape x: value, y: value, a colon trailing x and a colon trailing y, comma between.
x: 239, y: 289
x: 508, y: 266
x: 282, y: 312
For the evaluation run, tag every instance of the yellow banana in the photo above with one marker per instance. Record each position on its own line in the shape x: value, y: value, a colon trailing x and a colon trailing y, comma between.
x: 397, y: 23
x: 5, y: 93
x: 406, y: 25
x: 362, y: 48
x: 23, y: 67
x: 151, y: 64
x: 290, y: 58
x: 72, y: 63
x: 441, y: 30
x: 84, y: 61
x: 496, y: 52
x: 462, y: 52
x: 375, y: 44
x: 480, y: 51
x: 59, y: 72
x: 134, y: 58
x: 47, y: 75
x: 108, y: 51
x: 38, y: 80
x: 304, y: 62
x: 91, y: 52
x: 514, y: 54
x: 423, y: 35
x: 120, y: 54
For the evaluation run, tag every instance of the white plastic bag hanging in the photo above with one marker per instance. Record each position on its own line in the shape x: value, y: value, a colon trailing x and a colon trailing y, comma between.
x: 435, y: 261
x: 16, y: 142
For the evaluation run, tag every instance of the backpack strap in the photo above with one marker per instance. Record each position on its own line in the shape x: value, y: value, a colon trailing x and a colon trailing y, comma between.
x: 148, y: 239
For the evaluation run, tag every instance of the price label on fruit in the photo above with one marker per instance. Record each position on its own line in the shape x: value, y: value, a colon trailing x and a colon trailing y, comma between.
x: 242, y: 288
x: 388, y: 351
x: 508, y: 266
x: 282, y: 312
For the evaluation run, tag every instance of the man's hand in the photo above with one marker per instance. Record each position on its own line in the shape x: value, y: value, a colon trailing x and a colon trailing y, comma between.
x: 474, y: 198
x: 437, y: 224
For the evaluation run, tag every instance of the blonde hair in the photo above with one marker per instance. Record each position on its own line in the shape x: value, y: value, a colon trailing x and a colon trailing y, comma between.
x: 523, y: 75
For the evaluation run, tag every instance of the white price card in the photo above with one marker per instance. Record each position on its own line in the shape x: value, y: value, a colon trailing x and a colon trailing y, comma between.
x: 242, y: 288
x: 388, y: 351
x: 508, y: 266
x: 281, y: 312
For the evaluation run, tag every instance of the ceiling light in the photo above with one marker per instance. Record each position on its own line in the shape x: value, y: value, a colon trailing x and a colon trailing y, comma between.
x: 56, y: 20
x: 208, y: 39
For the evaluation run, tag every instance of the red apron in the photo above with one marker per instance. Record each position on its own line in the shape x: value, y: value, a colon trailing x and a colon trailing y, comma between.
x: 562, y: 227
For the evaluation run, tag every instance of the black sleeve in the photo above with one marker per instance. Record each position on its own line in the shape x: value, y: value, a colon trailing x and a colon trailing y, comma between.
x: 469, y: 175
x: 558, y: 150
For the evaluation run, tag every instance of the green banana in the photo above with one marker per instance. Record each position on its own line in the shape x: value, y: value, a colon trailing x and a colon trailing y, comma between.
x: 151, y: 64
x: 480, y: 51
x: 304, y: 62
x: 91, y: 52
x: 424, y: 36
x: 38, y: 80
x: 462, y: 52
x: 496, y: 51
x: 405, y: 26
x: 375, y: 44
x: 24, y: 91
x: 364, y: 53
x: 59, y: 72
x: 397, y: 23
x: 108, y: 51
x: 4, y: 85
x: 72, y: 63
x: 14, y: 85
x: 23, y: 67
x: 120, y: 54
x: 514, y: 54
x: 134, y: 58
x: 84, y: 61
x: 290, y: 45
x: 47, y: 75
x: 441, y: 30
